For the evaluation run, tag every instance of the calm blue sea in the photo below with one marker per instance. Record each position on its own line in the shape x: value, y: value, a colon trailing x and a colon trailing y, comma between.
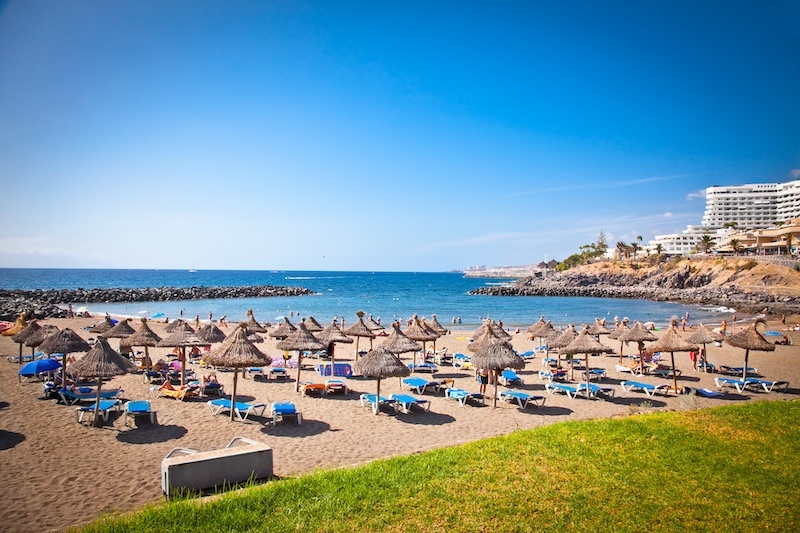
x: 389, y: 295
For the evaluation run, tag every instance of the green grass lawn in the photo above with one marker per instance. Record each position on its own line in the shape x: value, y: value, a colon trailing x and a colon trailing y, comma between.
x: 735, y: 467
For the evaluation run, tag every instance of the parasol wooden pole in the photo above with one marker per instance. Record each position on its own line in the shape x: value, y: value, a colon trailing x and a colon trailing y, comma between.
x: 233, y: 396
x: 744, y: 370
x: 183, y: 366
x: 96, y: 419
x: 375, y: 407
x: 299, y: 359
x: 331, y: 349
x: 621, y: 343
x: 588, y: 381
x: 674, y: 376
x: 357, y: 339
x: 494, y: 396
x: 20, y: 353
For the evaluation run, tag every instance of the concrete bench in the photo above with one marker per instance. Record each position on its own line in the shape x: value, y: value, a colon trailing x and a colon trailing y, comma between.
x: 185, y: 470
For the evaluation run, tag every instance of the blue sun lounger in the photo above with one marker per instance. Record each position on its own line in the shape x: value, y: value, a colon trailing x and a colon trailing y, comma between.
x: 569, y: 390
x: 241, y: 409
x: 372, y: 401
x: 553, y: 375
x: 404, y: 403
x: 739, y: 384
x: 509, y: 377
x: 281, y: 410
x: 530, y: 354
x: 87, y: 394
x: 595, y: 390
x: 770, y: 386
x: 463, y: 396
x: 523, y: 399
x: 424, y: 367
x: 136, y: 408
x: 105, y: 407
x: 708, y: 393
x: 737, y: 370
x: 647, y: 388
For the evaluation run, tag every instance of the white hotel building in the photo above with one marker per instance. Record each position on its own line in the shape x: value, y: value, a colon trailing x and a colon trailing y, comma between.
x: 755, y: 206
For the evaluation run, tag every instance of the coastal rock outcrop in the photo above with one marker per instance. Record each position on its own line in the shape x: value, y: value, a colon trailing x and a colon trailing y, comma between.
x: 45, y: 303
x: 740, y: 285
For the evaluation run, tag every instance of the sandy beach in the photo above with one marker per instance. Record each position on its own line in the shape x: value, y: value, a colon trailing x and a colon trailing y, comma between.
x: 58, y: 473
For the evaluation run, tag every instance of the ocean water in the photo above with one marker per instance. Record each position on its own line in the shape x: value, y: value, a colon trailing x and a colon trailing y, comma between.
x: 388, y: 295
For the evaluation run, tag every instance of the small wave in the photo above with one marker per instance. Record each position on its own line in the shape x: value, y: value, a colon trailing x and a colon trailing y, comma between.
x: 719, y: 309
x: 313, y: 277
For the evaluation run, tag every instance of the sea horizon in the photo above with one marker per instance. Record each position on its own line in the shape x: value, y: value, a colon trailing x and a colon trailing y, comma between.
x: 388, y: 295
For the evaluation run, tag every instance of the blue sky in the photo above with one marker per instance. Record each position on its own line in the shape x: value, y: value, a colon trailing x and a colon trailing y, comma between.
x: 374, y: 135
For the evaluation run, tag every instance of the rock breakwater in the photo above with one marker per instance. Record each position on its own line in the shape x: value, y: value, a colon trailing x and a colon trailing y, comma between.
x: 679, y: 285
x: 45, y: 303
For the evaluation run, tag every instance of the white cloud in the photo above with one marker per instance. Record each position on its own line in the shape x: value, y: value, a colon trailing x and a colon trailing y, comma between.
x: 795, y: 173
x: 697, y: 195
x: 667, y: 215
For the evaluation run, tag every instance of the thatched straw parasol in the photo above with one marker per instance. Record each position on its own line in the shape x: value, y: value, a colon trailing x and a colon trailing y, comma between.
x: 102, y: 361
x: 380, y: 363
x: 252, y: 336
x: 312, y: 325
x: 120, y: 330
x: 282, y: 331
x: 598, y: 328
x: 397, y: 342
x: 428, y: 325
x: 23, y: 335
x: 372, y: 325
x: 358, y: 330
x: 172, y: 326
x: 623, y: 327
x: 750, y: 339
x: 144, y: 336
x: 19, y: 325
x: 499, y: 332
x: 535, y: 327
x: 585, y: 343
x: 566, y: 337
x: 211, y: 333
x: 494, y: 354
x: 418, y: 333
x: 702, y: 335
x: 101, y: 327
x: 672, y: 342
x: 329, y: 337
x: 542, y: 330
x: 638, y: 334
x: 64, y: 342
x: 436, y: 326
x: 300, y: 340
x: 38, y: 337
x: 182, y: 337
x: 237, y: 352
x: 253, y: 324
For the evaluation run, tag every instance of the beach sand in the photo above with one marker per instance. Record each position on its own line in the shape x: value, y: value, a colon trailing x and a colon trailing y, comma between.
x: 56, y: 473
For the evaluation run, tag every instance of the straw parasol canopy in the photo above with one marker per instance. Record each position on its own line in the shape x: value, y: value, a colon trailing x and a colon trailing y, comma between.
x: 535, y: 327
x: 312, y: 325
x: 102, y: 361
x: 358, y: 330
x: 144, y: 336
x: 702, y: 335
x: 38, y: 337
x: 672, y: 342
x: 252, y: 336
x: 638, y: 333
x: 598, y: 328
x: 237, y: 352
x: 120, y: 330
x: 497, y: 330
x: 495, y: 354
x: 542, y: 330
x: 19, y: 325
x: 416, y: 332
x: 380, y: 363
x: 101, y: 327
x: 253, y: 324
x: 211, y: 333
x: 282, y: 331
x: 585, y: 343
x: 397, y: 342
x: 436, y: 326
x: 23, y: 335
x: 182, y: 337
x: 750, y: 339
x: 172, y: 326
x: 623, y: 327
x: 372, y: 325
x: 566, y: 337
x: 329, y: 337
x: 64, y: 342
x: 300, y: 340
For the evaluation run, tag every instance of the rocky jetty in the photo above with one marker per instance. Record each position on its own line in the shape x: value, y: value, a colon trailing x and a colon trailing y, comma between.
x: 45, y: 303
x: 684, y: 283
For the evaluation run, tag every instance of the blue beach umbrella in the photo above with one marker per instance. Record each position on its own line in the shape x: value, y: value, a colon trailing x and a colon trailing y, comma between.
x: 38, y: 367
x: 158, y: 315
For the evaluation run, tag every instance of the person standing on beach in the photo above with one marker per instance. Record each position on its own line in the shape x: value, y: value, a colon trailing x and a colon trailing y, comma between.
x: 483, y: 379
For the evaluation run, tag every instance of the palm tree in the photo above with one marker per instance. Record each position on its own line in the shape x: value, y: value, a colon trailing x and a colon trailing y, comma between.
x: 634, y: 247
x: 621, y: 250
x: 659, y: 248
x: 736, y: 246
x: 706, y: 244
